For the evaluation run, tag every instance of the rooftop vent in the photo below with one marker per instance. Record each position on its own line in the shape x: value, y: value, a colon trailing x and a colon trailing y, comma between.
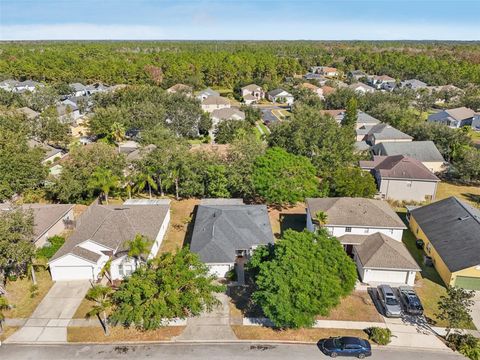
x: 462, y: 218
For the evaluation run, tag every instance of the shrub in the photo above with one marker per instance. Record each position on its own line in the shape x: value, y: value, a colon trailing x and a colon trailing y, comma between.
x: 56, y: 243
x: 467, y: 345
x: 381, y: 336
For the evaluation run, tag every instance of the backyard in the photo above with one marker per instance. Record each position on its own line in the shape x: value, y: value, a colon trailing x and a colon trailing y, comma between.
x: 470, y: 194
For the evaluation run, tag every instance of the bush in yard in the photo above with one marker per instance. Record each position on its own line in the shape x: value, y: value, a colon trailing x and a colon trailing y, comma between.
x: 304, y: 275
x: 381, y: 336
x: 466, y: 344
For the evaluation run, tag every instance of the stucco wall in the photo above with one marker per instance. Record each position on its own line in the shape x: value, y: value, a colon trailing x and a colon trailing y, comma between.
x: 401, y: 191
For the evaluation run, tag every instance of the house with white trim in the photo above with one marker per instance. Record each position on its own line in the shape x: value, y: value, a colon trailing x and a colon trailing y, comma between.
x: 371, y: 233
x: 101, y: 235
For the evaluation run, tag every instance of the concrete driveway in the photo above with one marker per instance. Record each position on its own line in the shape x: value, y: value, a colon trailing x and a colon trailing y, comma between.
x: 49, y: 321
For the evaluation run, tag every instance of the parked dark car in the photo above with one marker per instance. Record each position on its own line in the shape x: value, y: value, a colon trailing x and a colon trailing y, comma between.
x: 345, y: 346
x: 410, y: 300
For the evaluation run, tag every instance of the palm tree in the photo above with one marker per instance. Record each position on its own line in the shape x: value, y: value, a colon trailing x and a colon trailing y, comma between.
x: 137, y: 247
x: 145, y: 179
x: 117, y: 132
x: 3, y: 306
x: 321, y: 217
x: 101, y: 296
x: 104, y: 180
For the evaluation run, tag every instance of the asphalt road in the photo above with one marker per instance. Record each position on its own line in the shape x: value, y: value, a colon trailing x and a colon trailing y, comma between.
x: 197, y: 352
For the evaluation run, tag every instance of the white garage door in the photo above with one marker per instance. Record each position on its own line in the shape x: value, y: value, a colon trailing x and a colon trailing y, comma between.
x: 71, y: 272
x: 386, y: 276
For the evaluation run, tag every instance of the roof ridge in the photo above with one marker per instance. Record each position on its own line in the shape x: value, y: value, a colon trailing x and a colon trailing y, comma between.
x: 468, y: 210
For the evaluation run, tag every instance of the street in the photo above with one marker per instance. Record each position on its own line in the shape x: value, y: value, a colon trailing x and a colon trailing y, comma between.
x: 188, y: 351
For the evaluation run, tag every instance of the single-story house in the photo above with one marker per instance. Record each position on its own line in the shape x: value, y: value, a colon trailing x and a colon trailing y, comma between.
x: 226, y: 114
x: 450, y: 230
x: 101, y: 234
x: 68, y: 113
x: 48, y: 220
x: 357, y: 74
x: 78, y: 89
x: 140, y: 152
x: 29, y: 113
x: 445, y: 92
x: 424, y: 151
x: 324, y: 71
x: 215, y: 102
x: 252, y: 91
x: 454, y: 118
x: 27, y: 85
x: 371, y: 232
x: 313, y: 88
x: 364, y: 120
x: 385, y: 133
x: 51, y: 154
x: 205, y: 93
x: 402, y: 178
x: 327, y: 90
x: 317, y: 77
x: 384, y: 82
x: 128, y: 146
x: 336, y: 114
x: 280, y: 96
x: 97, y: 88
x: 226, y: 232
x: 361, y: 88
x: 413, y: 84
x: 180, y: 88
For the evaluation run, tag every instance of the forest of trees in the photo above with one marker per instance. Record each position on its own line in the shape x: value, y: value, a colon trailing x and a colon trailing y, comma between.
x: 229, y: 63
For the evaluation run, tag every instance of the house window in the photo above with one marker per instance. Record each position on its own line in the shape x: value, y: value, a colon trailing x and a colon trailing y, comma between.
x: 391, y: 231
x: 120, y: 269
x: 348, y: 229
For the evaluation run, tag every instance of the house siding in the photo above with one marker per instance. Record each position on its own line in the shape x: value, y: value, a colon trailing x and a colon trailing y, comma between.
x: 57, y: 229
x: 400, y: 190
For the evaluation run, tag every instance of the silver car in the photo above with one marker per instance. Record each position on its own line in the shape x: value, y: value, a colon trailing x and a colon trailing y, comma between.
x: 389, y: 301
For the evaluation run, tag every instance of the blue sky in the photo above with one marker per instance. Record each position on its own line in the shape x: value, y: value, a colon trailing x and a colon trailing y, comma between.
x: 240, y: 19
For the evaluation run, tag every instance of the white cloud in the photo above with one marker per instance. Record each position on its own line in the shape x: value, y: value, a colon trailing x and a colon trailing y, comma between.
x: 268, y: 30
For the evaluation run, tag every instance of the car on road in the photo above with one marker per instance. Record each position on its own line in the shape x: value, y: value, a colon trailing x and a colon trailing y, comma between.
x: 389, y: 301
x: 345, y: 346
x: 410, y: 301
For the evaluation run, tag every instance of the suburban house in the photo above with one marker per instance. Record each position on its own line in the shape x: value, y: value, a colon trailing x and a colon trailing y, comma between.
x: 424, y: 151
x: 252, y: 93
x: 451, y: 91
x: 371, y: 232
x: 317, y: 77
x: 384, y: 82
x: 8, y: 85
x: 324, y: 71
x: 327, y: 90
x: 280, y: 96
x: 67, y: 113
x: 313, y: 88
x: 384, y: 133
x: 27, y: 85
x: 97, y: 88
x: 364, y: 121
x: 337, y: 114
x: 100, y: 236
x: 28, y: 113
x: 413, y: 84
x: 226, y: 114
x: 361, y: 88
x: 48, y: 220
x: 226, y: 232
x: 180, y: 88
x: 450, y: 230
x: 78, y: 89
x: 454, y: 118
x: 128, y: 146
x: 357, y: 75
x: 205, y: 93
x: 215, y: 102
x: 140, y: 152
x: 402, y: 178
x: 51, y: 154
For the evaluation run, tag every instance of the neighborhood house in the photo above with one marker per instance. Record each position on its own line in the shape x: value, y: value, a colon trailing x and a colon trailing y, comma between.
x: 280, y: 96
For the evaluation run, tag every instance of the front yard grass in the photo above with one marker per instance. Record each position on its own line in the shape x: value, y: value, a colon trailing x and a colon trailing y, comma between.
x: 358, y: 306
x: 428, y: 285
x: 181, y: 223
x: 121, y: 334
x: 82, y: 310
x: 304, y: 335
x: 18, y: 294
x: 470, y: 194
x: 7, y: 331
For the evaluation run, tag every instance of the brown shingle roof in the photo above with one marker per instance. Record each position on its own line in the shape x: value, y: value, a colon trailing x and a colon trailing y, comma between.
x: 215, y: 100
x: 345, y: 211
x: 379, y: 251
x: 402, y: 167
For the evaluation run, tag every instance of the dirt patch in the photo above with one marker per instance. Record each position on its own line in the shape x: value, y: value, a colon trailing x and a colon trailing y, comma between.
x: 358, y: 306
x: 291, y: 217
x: 96, y: 334
x: 306, y: 335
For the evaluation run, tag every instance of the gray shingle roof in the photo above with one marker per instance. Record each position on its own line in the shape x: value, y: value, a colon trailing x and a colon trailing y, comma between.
x: 111, y: 225
x: 456, y: 114
x: 344, y: 211
x: 221, y: 229
x: 227, y: 114
x: 216, y: 100
x: 383, y: 132
x: 453, y: 228
x: 252, y: 87
x: 379, y: 251
x: 424, y: 151
x: 86, y: 254
x: 209, y: 92
x: 278, y: 92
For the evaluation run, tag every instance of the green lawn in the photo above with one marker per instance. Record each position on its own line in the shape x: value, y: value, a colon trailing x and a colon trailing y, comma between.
x: 429, y: 285
x: 470, y: 194
x: 263, y: 127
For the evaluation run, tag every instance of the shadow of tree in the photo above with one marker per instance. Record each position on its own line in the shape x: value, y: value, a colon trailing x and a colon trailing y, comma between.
x: 475, y: 198
x: 188, y: 234
x: 295, y: 222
